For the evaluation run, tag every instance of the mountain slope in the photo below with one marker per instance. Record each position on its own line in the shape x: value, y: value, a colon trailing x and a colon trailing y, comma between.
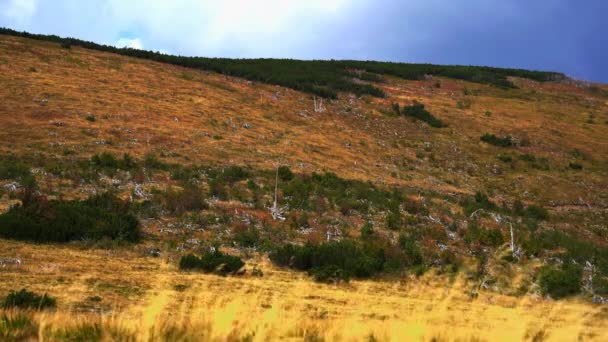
x: 427, y: 211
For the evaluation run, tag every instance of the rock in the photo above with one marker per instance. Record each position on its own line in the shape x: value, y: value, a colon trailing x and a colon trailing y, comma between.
x: 10, y: 261
x: 246, y: 126
x: 154, y: 252
x: 194, y: 242
x: 12, y: 187
x: 599, y: 300
x: 139, y: 192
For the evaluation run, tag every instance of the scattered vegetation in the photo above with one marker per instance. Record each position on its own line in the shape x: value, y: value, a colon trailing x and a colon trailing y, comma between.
x: 40, y: 220
x: 24, y: 299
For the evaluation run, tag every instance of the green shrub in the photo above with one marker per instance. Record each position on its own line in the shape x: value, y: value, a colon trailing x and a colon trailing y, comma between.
x: 101, y: 216
x: 12, y: 168
x: 25, y: 299
x: 91, y: 118
x: 285, y: 173
x: 152, y: 162
x: 600, y: 285
x: 189, y: 199
x: 418, y: 112
x: 229, y: 174
x: 394, y: 219
x: 247, y: 238
x: 212, y: 262
x: 560, y: 282
x: 575, y: 166
x: 480, y: 201
x: 486, y: 237
x: 536, y: 212
x: 337, y: 260
x: 497, y: 141
x: 304, y: 191
x: 505, y: 158
x: 367, y: 230
x: 107, y: 160
x: 527, y: 157
x: 329, y: 274
x: 413, y: 254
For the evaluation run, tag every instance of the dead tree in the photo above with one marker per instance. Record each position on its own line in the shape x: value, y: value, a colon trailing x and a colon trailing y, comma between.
x: 275, y: 210
x: 318, y: 105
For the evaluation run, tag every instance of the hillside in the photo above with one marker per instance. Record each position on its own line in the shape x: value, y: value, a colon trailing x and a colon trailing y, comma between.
x: 424, y: 199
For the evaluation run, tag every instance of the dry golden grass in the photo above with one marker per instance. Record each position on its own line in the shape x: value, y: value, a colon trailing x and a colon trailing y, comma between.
x: 197, y: 117
x: 151, y: 300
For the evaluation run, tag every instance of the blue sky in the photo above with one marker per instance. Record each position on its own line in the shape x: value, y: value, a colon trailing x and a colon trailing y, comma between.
x: 559, y: 35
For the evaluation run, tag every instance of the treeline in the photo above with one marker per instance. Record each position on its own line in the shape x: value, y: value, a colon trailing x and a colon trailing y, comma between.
x: 322, y: 78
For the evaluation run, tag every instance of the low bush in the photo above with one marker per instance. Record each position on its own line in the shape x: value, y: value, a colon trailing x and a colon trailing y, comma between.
x: 99, y: 217
x: 536, y: 212
x: 480, y: 201
x: 285, y: 173
x: 305, y: 192
x: 189, y: 199
x: 107, y: 160
x: 212, y: 262
x: 417, y: 111
x: 575, y: 166
x: 25, y: 299
x: 11, y: 168
x: 497, y: 141
x: 505, y: 158
x: 249, y: 237
x: 338, y: 260
x: 411, y: 249
x: 560, y: 282
x: 485, y: 237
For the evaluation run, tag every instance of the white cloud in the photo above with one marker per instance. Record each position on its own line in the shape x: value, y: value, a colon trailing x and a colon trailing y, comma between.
x: 134, y: 43
x: 242, y: 27
x: 18, y: 11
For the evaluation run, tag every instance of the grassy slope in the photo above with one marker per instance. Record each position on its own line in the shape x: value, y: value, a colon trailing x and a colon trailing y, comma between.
x: 139, y: 105
x: 151, y: 300
x: 142, y: 106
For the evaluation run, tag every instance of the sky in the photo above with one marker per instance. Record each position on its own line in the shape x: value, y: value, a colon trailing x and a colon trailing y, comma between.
x: 569, y: 36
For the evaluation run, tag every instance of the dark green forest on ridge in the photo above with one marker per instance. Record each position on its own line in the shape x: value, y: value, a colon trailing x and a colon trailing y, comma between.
x: 325, y: 78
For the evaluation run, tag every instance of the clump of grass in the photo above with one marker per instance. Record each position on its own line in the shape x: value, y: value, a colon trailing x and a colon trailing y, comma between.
x: 80, y: 332
x: 24, y: 299
x: 17, y: 326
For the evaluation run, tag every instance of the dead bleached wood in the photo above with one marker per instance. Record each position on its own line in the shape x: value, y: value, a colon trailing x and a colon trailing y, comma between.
x: 318, y: 105
x: 277, y: 212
